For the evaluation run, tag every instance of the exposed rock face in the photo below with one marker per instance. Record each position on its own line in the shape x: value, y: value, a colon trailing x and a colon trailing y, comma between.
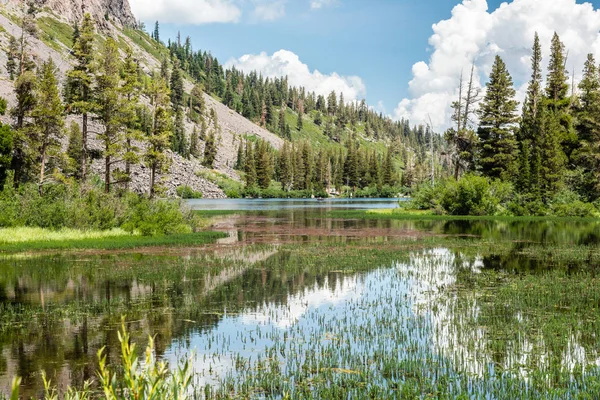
x: 73, y: 10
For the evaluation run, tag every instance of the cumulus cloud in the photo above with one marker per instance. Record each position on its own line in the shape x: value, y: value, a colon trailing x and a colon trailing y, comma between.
x: 316, y: 4
x: 187, y: 11
x: 268, y: 10
x: 286, y: 63
x: 475, y: 35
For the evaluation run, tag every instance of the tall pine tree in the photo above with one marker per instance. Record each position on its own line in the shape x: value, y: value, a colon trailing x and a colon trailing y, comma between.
x: 497, y: 123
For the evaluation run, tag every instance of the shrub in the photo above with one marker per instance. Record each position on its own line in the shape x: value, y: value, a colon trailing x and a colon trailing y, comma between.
x: 568, y: 204
x: 63, y: 206
x: 427, y: 197
x: 154, y: 217
x: 186, y: 192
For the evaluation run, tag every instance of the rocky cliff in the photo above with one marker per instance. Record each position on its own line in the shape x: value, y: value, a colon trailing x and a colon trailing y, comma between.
x: 72, y: 11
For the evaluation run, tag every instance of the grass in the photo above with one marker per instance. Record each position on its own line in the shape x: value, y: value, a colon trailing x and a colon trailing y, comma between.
x: 55, y: 31
x: 26, y: 234
x: 142, y: 39
x: 231, y: 187
x: 404, y: 214
x: 80, y: 241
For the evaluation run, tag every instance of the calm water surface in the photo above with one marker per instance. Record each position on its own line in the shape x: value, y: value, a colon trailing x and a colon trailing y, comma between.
x: 295, y: 282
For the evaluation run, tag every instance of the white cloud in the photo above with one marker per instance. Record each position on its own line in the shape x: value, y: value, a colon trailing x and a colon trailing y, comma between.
x: 473, y: 34
x: 268, y: 10
x: 286, y: 63
x: 317, y: 4
x: 186, y: 11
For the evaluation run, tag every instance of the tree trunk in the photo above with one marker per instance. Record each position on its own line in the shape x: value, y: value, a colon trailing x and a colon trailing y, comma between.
x: 84, y: 161
x: 152, y: 178
x: 107, y: 174
x: 127, y: 166
x: 42, y: 168
x: 457, y: 168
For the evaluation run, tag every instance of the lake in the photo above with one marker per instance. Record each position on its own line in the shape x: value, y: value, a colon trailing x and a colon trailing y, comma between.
x: 299, y: 301
x: 287, y: 204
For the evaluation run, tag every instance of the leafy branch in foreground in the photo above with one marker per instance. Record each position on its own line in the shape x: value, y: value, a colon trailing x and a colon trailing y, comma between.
x: 147, y: 380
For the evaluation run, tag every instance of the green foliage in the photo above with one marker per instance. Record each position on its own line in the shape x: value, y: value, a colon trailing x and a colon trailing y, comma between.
x: 63, y: 206
x: 54, y: 31
x: 144, y: 379
x: 232, y: 188
x: 471, y: 195
x: 568, y: 204
x: 6, y: 147
x: 186, y: 192
x: 428, y: 197
x: 155, y: 217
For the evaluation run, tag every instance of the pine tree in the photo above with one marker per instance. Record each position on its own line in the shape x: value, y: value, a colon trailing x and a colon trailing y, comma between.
x: 159, y: 137
x: 332, y: 103
x: 130, y: 92
x: 6, y: 149
x: 264, y: 168
x: 530, y: 139
x: 176, y: 86
x: 286, y: 171
x: 497, y: 122
x: 388, y: 170
x: 156, y: 33
x: 194, y: 142
x: 210, y: 150
x: 299, y: 169
x: 25, y: 90
x: 12, y: 56
x: 80, y: 99
x: 74, y: 150
x: 553, y: 163
x: 48, y: 118
x: 178, y: 139
x: 109, y: 107
x: 587, y: 155
x: 299, y: 123
x: 556, y: 81
x: 250, y: 167
x: 240, y: 161
x: 307, y: 158
x: 282, y: 120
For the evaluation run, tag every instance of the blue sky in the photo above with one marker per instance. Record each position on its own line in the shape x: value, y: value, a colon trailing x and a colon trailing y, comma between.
x: 378, y: 41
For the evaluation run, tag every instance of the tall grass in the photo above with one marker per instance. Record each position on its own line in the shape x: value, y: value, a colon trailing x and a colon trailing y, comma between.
x: 149, y: 379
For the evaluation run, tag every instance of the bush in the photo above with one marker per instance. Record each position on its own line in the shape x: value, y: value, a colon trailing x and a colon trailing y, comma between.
x: 427, y: 197
x: 568, y: 204
x: 63, y: 206
x: 475, y: 195
x: 186, y: 192
x: 154, y: 217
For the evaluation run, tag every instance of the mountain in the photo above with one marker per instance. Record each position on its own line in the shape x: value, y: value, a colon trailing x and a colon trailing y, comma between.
x: 333, y: 143
x: 72, y: 11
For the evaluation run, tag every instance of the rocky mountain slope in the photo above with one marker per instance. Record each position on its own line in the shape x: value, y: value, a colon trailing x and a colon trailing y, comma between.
x: 72, y: 11
x: 55, y: 22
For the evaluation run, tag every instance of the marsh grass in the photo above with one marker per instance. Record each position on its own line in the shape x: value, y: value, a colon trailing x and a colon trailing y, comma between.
x: 28, y: 234
x: 404, y: 214
x: 80, y: 241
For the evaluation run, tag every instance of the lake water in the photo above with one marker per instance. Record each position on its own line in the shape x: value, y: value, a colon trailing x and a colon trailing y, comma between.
x: 297, y: 204
x: 300, y: 302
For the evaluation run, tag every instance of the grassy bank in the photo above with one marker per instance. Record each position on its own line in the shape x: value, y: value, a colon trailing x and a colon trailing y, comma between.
x: 405, y: 214
x: 16, y: 240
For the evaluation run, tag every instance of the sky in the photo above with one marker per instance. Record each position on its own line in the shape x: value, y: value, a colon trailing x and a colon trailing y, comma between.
x: 404, y: 57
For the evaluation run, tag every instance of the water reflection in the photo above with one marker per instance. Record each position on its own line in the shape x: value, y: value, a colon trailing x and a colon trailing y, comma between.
x: 236, y: 301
